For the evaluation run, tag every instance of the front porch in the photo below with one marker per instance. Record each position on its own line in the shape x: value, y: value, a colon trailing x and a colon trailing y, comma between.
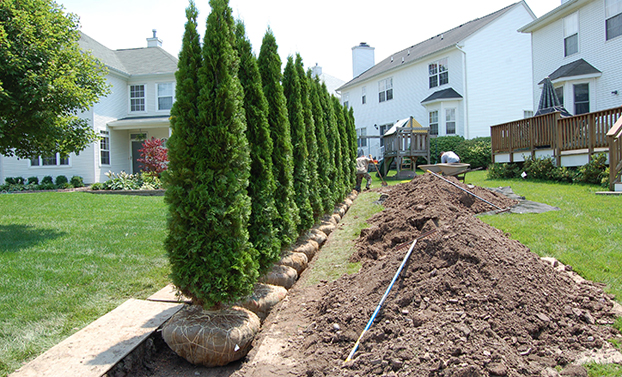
x: 571, y: 141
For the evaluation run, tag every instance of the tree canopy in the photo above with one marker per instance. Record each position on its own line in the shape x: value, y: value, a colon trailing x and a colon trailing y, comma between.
x: 45, y: 80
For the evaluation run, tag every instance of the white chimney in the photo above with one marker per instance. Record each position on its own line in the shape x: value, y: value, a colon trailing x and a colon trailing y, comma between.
x: 362, y: 58
x: 316, y: 71
x: 154, y: 41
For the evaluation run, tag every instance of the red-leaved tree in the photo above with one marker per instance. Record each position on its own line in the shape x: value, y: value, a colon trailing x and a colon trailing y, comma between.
x: 154, y: 156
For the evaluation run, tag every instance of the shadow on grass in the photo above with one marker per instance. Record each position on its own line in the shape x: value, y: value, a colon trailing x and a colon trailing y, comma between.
x: 14, y: 238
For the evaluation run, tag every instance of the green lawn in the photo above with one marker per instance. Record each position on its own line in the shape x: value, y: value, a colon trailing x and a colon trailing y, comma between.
x: 67, y: 258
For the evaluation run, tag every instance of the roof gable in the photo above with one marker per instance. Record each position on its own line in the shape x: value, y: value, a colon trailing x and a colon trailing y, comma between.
x: 577, y: 68
x: 446, y: 94
x: 437, y: 43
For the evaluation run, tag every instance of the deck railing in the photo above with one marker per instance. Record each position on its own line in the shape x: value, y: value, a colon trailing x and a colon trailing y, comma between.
x: 614, y: 138
x: 406, y: 143
x: 550, y: 131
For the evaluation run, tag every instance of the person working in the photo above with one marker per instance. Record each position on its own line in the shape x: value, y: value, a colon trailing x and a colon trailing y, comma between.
x: 362, y: 170
x: 449, y: 158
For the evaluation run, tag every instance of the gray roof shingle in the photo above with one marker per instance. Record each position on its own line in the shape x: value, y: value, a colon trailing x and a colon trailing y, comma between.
x: 134, y: 61
x: 576, y: 68
x: 442, y: 94
x: 435, y: 44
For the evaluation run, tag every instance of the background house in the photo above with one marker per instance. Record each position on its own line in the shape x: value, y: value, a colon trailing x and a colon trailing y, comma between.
x: 142, y: 93
x: 578, y: 45
x: 459, y: 82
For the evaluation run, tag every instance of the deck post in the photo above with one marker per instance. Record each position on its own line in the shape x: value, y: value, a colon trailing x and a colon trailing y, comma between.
x: 558, y: 141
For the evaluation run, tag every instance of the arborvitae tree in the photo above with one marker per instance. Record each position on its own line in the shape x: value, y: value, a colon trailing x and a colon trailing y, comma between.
x: 307, y: 111
x: 211, y: 259
x: 261, y: 186
x: 269, y: 64
x: 351, y: 131
x: 343, y: 144
x: 334, y: 146
x: 291, y: 87
x: 324, y: 166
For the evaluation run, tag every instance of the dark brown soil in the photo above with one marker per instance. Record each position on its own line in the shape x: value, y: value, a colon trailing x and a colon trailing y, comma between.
x: 470, y: 302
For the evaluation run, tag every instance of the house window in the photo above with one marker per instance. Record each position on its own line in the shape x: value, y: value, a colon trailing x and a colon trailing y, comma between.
x: 560, y: 94
x: 53, y: 160
x: 571, y: 34
x: 165, y: 96
x: 527, y: 114
x: 613, y: 17
x: 360, y: 136
x: 104, y: 147
x: 137, y: 98
x: 581, y: 99
x: 434, y: 122
x: 364, y: 95
x: 383, y: 129
x: 439, y: 75
x: 450, y: 121
x: 385, y: 90
x: 346, y: 99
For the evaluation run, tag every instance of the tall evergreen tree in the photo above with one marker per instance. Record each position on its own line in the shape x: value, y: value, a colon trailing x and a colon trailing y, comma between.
x: 291, y: 88
x: 269, y: 64
x: 351, y: 131
x: 343, y: 145
x: 307, y: 111
x: 261, y: 186
x: 211, y: 259
x: 334, y: 145
x: 324, y: 166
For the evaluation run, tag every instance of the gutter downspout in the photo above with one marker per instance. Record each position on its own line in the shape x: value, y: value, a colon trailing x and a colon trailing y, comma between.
x: 465, y: 91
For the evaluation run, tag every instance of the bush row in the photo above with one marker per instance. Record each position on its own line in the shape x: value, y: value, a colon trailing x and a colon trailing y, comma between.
x: 125, y: 181
x: 476, y: 151
x: 544, y: 168
x: 47, y: 183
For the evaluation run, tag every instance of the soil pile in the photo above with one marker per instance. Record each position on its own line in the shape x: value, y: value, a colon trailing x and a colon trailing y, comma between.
x: 470, y: 301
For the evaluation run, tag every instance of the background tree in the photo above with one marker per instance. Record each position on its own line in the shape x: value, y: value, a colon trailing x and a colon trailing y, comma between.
x: 353, y: 144
x: 211, y: 259
x: 45, y: 81
x: 310, y: 138
x: 261, y: 186
x: 323, y: 154
x: 269, y: 64
x: 334, y: 146
x: 291, y: 88
x: 344, y: 177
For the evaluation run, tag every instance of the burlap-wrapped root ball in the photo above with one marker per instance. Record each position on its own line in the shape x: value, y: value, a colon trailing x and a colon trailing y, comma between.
x: 341, y: 210
x: 348, y: 202
x: 317, y: 235
x: 297, y: 261
x: 263, y: 299
x: 327, y: 227
x: 334, y: 218
x: 309, y: 248
x: 211, y: 338
x: 283, y: 276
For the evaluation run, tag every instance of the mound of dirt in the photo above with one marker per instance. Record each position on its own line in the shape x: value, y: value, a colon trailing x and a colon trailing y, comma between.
x: 470, y: 301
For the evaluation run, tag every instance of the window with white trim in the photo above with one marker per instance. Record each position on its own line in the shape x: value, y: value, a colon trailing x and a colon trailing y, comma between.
x: 104, y: 148
x: 364, y: 95
x: 560, y: 94
x: 385, y: 90
x: 360, y: 136
x: 581, y: 98
x: 527, y: 114
x: 433, y: 122
x: 450, y: 121
x: 571, y: 34
x: 613, y: 18
x: 346, y: 99
x: 137, y: 98
x: 54, y: 160
x: 165, y: 96
x: 439, y: 73
x: 383, y: 129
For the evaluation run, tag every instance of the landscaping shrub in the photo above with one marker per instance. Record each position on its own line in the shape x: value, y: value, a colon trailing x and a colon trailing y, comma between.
x: 504, y: 171
x: 154, y: 156
x: 539, y: 168
x: 98, y: 186
x: 33, y: 180
x: 594, y: 171
x: 47, y: 180
x: 47, y: 186
x: 61, y: 180
x: 476, y: 152
x: 14, y: 180
x: 122, y: 181
x: 76, y: 181
x: 443, y: 144
x: 149, y: 181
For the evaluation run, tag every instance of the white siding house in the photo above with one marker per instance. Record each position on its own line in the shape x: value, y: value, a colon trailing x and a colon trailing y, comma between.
x: 578, y: 45
x: 459, y: 82
x: 142, y: 92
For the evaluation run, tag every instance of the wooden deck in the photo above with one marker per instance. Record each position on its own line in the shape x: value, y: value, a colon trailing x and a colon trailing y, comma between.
x: 571, y: 141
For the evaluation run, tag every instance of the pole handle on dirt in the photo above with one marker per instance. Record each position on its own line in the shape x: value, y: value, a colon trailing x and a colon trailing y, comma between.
x: 378, y: 170
x: 467, y: 191
x: 384, y: 297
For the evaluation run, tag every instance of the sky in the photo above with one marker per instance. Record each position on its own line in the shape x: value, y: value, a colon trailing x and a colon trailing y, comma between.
x: 323, y: 32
